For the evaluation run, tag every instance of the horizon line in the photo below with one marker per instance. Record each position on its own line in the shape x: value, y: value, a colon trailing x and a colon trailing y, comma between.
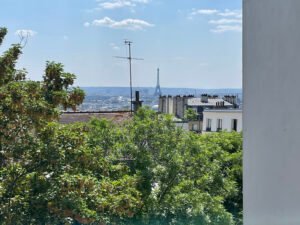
x: 161, y: 87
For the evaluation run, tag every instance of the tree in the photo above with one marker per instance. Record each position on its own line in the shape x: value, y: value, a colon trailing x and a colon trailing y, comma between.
x: 49, y: 173
x: 190, y: 115
x: 184, y: 178
x: 24, y: 112
x: 56, y: 87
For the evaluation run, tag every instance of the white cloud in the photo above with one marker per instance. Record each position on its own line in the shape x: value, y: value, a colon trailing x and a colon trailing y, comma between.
x: 226, y: 28
x: 142, y: 1
x: 26, y: 33
x: 116, y: 4
x: 114, y: 46
x: 203, y: 12
x: 86, y: 24
x: 225, y: 13
x: 231, y: 13
x: 129, y: 24
x: 225, y: 21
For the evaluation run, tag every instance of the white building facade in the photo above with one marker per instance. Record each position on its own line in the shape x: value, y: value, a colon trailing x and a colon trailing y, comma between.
x: 177, y: 105
x: 215, y: 120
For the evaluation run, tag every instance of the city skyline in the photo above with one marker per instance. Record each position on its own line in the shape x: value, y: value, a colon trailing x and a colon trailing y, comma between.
x: 196, y: 44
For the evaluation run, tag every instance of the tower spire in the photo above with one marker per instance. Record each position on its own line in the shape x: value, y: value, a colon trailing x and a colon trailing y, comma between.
x: 157, y: 89
x: 157, y: 84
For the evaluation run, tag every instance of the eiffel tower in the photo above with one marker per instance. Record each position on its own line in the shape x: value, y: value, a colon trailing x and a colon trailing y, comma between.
x: 157, y: 89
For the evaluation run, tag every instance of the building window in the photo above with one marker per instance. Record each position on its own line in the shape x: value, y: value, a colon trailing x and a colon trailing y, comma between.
x: 219, y: 124
x: 234, y: 124
x: 208, y: 125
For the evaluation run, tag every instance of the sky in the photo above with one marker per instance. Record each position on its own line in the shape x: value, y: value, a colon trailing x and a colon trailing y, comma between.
x: 195, y: 43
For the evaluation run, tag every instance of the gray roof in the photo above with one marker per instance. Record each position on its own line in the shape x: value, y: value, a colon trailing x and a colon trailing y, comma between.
x: 72, y: 117
x: 211, y: 102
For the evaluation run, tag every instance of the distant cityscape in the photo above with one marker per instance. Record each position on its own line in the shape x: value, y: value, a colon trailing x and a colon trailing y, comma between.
x: 118, y: 98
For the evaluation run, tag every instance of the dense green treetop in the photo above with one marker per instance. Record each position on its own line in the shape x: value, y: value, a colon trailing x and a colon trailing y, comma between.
x: 190, y: 115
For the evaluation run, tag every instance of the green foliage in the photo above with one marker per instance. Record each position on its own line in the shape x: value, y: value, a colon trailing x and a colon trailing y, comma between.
x: 146, y: 171
x: 56, y: 87
x: 190, y: 115
x: 3, y: 32
x: 186, y: 178
x: 66, y: 179
x: 183, y: 178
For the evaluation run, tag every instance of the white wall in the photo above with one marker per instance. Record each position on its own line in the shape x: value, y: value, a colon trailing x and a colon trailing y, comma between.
x: 184, y: 126
x: 271, y: 61
x: 226, y: 116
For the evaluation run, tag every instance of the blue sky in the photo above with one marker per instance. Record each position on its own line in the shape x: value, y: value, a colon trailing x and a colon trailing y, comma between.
x: 196, y: 43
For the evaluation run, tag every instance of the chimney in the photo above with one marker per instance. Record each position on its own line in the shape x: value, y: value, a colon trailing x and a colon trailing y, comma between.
x: 137, y: 103
x: 204, y: 98
x: 234, y: 100
x: 225, y: 98
x: 231, y: 99
x: 220, y: 104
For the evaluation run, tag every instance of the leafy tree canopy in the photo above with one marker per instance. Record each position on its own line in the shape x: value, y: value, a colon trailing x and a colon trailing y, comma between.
x: 190, y: 115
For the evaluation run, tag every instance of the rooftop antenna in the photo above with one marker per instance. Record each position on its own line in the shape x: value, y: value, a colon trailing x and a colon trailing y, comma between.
x: 129, y: 58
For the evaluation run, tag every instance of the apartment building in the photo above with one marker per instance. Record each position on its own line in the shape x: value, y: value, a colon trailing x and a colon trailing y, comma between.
x: 215, y: 120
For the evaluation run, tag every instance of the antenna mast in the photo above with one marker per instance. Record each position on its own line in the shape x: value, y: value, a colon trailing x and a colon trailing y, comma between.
x: 130, y: 71
x: 129, y: 58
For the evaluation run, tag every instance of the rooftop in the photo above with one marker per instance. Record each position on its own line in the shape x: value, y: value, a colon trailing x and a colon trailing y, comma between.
x: 73, y: 117
x: 211, y: 102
